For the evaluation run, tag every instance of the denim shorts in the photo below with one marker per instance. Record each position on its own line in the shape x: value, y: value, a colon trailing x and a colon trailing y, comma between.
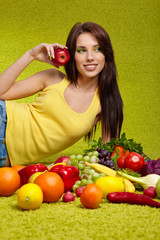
x: 3, y: 123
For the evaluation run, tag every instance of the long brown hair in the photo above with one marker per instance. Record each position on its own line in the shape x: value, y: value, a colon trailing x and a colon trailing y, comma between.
x: 110, y: 98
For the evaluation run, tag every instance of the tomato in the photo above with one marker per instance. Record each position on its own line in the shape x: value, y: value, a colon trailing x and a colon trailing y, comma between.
x: 121, y: 161
x: 134, y: 161
x: 126, y: 152
x: 118, y: 150
x: 121, y: 155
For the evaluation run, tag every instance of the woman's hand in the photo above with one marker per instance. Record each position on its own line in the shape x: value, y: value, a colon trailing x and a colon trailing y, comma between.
x: 44, y: 52
x: 10, y: 89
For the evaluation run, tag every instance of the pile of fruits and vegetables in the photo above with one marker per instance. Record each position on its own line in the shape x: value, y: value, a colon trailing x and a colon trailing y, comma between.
x: 113, y: 172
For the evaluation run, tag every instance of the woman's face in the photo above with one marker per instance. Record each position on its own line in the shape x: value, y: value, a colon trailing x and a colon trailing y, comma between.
x: 88, y: 56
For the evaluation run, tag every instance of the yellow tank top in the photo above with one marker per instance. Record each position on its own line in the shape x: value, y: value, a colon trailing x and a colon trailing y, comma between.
x: 47, y: 126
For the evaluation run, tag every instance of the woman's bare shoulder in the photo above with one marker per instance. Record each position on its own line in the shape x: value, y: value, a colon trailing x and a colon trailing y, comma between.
x: 53, y: 76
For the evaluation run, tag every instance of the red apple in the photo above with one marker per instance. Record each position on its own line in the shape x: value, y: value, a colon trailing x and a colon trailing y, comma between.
x: 62, y: 159
x: 61, y: 56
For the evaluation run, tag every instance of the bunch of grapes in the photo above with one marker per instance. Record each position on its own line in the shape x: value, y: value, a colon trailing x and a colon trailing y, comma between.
x: 87, y: 174
x: 105, y: 158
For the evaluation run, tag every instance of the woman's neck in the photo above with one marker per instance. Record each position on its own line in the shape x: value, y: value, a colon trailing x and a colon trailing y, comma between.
x: 87, y: 84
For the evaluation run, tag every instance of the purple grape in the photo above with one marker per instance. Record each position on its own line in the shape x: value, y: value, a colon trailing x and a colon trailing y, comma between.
x: 111, y: 164
x: 108, y: 161
x: 104, y: 152
x: 112, y: 168
x: 104, y: 158
x: 100, y: 155
x: 101, y: 161
x: 99, y: 149
x: 108, y: 154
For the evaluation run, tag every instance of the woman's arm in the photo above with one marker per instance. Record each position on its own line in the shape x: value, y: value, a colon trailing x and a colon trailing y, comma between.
x: 9, y: 89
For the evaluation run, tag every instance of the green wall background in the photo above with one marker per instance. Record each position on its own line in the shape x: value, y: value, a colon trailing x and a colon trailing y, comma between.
x: 134, y: 29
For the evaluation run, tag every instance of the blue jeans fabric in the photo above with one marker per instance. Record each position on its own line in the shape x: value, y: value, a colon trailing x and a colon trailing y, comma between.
x: 3, y: 123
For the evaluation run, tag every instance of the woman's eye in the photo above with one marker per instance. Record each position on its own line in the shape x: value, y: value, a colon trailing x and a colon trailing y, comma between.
x: 98, y: 49
x: 80, y: 50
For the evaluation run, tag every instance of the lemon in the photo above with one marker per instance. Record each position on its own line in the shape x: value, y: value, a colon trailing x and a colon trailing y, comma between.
x: 29, y: 196
x: 110, y: 184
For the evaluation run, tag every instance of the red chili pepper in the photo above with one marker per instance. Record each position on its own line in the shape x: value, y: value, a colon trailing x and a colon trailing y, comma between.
x: 26, y: 172
x: 69, y: 175
x: 134, y: 198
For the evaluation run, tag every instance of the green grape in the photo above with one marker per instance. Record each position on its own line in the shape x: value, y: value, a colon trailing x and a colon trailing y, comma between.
x: 95, y: 176
x: 75, y: 186
x: 90, y: 177
x: 95, y: 179
x: 74, y: 162
x: 89, y: 181
x: 79, y: 157
x: 102, y: 175
x: 91, y: 171
x: 81, y: 166
x: 95, y: 153
x: 93, y: 159
x: 77, y: 182
x: 86, y: 158
x: 87, y: 168
x: 83, y: 182
x: 72, y: 157
x: 90, y: 154
x: 84, y: 176
x: 87, y: 171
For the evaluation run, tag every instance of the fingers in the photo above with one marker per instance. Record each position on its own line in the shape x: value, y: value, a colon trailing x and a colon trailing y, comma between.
x: 50, y: 51
x: 50, y: 48
x: 52, y: 63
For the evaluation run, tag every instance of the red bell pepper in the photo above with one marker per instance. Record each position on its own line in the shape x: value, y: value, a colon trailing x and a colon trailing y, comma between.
x: 69, y: 175
x: 26, y: 172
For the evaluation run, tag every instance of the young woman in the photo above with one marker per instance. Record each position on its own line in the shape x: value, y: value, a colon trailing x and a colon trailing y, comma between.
x: 68, y: 106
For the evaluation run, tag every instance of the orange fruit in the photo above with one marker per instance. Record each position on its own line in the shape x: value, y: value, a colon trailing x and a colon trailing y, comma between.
x: 91, y: 197
x: 29, y: 196
x: 18, y: 167
x: 52, y: 186
x: 9, y: 181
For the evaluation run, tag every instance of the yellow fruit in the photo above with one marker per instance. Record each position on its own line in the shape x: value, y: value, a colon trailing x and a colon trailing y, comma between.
x: 110, y: 184
x: 34, y: 176
x: 29, y: 196
x: 102, y: 169
x: 52, y: 165
x: 129, y: 187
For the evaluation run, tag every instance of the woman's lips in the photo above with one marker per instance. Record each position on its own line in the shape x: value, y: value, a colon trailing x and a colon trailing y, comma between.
x: 90, y: 67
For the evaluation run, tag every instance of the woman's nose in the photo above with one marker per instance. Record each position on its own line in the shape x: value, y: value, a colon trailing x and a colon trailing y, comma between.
x: 90, y: 56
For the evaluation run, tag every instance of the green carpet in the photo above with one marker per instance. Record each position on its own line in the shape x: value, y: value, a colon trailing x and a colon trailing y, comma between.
x: 133, y: 27
x: 134, y: 30
x: 70, y: 221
